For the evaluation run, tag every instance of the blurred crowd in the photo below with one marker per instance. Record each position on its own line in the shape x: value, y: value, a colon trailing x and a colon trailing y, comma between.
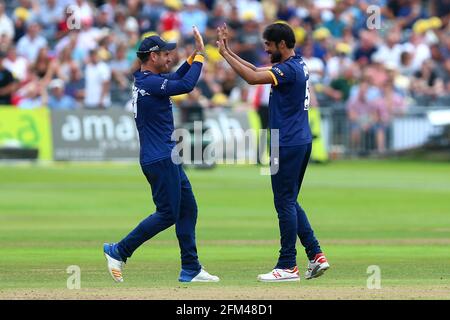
x: 372, y: 57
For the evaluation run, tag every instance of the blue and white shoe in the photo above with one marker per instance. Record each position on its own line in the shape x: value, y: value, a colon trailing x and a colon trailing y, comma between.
x: 195, y: 276
x: 114, y: 261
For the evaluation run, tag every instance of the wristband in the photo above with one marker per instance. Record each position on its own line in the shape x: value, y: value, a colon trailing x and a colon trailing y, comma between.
x: 199, y: 58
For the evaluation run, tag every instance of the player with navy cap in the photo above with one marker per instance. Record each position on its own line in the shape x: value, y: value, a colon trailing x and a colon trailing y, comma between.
x: 171, y: 189
x: 288, y: 113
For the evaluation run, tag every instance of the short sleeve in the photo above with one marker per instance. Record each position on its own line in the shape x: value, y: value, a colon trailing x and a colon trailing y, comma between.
x: 282, y: 74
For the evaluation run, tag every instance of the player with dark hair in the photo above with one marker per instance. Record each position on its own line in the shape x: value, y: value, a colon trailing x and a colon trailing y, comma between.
x: 288, y: 113
x: 171, y: 189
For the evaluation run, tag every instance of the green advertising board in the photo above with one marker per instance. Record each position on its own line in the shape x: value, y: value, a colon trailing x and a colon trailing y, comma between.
x: 26, y: 129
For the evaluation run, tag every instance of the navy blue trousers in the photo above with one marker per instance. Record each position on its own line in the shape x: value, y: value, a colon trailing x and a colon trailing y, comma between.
x: 175, y: 204
x: 286, y: 184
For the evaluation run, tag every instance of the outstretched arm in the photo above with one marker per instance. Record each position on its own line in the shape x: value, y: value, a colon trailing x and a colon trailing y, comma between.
x: 222, y: 33
x: 247, y: 73
x: 199, y: 49
x: 161, y: 86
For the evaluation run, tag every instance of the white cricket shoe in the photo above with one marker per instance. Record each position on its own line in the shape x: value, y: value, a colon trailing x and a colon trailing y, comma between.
x: 115, y: 266
x: 204, y: 276
x: 280, y: 275
x: 317, y: 267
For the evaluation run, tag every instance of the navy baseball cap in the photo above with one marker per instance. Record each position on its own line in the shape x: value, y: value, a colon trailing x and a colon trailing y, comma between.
x: 155, y: 44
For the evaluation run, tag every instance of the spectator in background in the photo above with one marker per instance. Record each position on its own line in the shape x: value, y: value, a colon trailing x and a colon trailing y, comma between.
x: 17, y: 65
x: 192, y: 105
x: 102, y: 20
x: 5, y: 42
x: 406, y: 12
x: 249, y: 40
x: 105, y: 46
x: 364, y: 52
x: 339, y: 88
x: 337, y: 31
x: 426, y: 84
x: 246, y: 6
x: 170, y: 19
x: 322, y: 38
x: 152, y: 13
x: 406, y: 68
x: 6, y: 24
x: 441, y: 8
x: 121, y: 75
x: 360, y: 112
x: 73, y: 41
x: 34, y: 97
x: 418, y: 48
x: 7, y: 84
x: 234, y: 22
x: 50, y: 14
x: 45, y: 66
x: 110, y: 8
x: 336, y: 25
x: 123, y: 23
x: 239, y: 98
x: 285, y: 11
x: 386, y: 107
x: 20, y: 18
x: 98, y: 80
x: 316, y: 67
x: 228, y: 81
x: 192, y: 15
x: 75, y: 84
x: 57, y: 99
x: 338, y: 62
x: 391, y: 49
x: 29, y: 45
x: 83, y: 11
x: 216, y: 19
x: 64, y: 63
x: 209, y: 81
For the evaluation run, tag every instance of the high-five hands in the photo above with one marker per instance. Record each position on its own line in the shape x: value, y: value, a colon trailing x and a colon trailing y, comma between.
x: 199, y: 46
x: 222, y: 37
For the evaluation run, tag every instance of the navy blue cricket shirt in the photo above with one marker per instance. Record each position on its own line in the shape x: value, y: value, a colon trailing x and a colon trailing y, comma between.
x: 289, y: 102
x: 153, y: 108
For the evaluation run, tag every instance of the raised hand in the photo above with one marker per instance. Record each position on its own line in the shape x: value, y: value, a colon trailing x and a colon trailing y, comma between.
x: 225, y: 32
x: 222, y: 33
x: 221, y: 46
x: 199, y: 46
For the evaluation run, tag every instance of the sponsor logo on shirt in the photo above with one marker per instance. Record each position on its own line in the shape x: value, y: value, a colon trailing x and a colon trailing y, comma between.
x: 143, y: 92
x: 277, y: 70
x: 164, y: 84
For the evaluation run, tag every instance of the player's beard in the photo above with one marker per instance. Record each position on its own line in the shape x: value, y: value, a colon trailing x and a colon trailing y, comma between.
x: 275, y: 57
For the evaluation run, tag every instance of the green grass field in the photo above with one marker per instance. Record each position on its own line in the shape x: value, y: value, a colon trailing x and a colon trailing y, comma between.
x: 395, y: 215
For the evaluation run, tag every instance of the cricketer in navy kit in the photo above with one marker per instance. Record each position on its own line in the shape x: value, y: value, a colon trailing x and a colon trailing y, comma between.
x: 288, y: 113
x: 171, y: 189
